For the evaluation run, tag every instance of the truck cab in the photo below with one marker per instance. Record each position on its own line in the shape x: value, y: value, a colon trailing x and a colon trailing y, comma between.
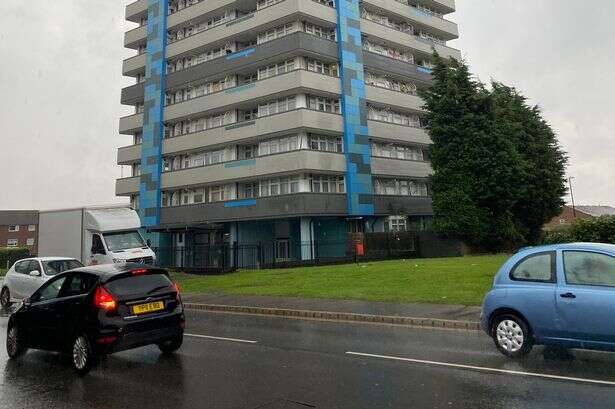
x: 112, y: 236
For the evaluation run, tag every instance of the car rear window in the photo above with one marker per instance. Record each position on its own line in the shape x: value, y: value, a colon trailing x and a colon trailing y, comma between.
x: 140, y: 284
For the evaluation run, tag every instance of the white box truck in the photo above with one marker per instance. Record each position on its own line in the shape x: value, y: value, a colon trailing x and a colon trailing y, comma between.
x: 94, y: 235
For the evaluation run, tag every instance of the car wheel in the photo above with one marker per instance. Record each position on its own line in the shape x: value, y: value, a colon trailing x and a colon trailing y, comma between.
x: 171, y: 345
x: 5, y: 298
x: 15, y: 345
x: 512, y: 336
x: 83, y: 357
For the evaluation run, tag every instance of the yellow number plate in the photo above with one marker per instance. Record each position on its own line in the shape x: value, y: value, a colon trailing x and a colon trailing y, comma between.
x: 149, y: 307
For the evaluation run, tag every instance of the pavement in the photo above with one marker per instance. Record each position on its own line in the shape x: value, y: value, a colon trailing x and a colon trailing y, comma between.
x: 240, y: 361
x: 423, y: 315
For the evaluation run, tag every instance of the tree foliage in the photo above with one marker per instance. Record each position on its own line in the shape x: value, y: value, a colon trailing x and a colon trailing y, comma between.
x: 498, y: 170
x: 593, y: 230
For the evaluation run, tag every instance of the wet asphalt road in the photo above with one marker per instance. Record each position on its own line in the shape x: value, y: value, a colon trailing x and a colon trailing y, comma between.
x: 269, y: 361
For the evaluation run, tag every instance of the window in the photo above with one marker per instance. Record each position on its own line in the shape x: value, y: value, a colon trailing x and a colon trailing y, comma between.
x: 586, y: 268
x: 30, y: 242
x: 97, y: 245
x: 12, y: 242
x: 13, y: 227
x: 324, y: 104
x: 277, y: 106
x: 277, y: 145
x: 50, y: 290
x: 247, y: 151
x: 537, y: 267
x: 323, y: 67
x: 325, y: 143
x: 32, y: 227
x: 276, y: 69
x: 398, y: 223
x: 327, y: 184
x: 401, y: 187
x: 53, y: 267
x: 328, y: 33
x: 23, y: 267
x: 277, y: 32
x: 79, y: 284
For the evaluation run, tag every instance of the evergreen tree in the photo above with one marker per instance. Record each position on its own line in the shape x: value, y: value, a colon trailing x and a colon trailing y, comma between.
x: 475, y: 163
x: 542, y: 177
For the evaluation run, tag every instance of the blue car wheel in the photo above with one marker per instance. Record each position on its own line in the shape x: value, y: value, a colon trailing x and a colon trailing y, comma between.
x: 512, y: 335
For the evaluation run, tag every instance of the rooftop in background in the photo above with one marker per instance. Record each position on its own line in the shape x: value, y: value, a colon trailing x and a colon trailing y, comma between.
x: 597, y: 211
x: 19, y: 217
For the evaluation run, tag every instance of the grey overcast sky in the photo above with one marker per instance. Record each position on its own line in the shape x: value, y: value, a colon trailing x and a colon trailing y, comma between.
x: 61, y: 81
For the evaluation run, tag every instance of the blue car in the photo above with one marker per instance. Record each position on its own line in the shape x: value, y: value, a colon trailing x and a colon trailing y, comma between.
x: 560, y: 295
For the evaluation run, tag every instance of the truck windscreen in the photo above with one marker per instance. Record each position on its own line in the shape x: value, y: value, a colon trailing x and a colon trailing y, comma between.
x: 123, y: 240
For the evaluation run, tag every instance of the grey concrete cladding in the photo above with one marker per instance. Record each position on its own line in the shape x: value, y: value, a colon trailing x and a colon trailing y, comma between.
x: 288, y: 46
x: 283, y: 163
x: 275, y: 125
x: 300, y: 204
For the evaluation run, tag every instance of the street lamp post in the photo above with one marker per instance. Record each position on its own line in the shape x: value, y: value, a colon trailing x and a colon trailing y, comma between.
x: 574, y: 210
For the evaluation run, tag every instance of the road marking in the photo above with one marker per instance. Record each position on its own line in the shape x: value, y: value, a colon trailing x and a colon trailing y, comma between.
x: 484, y: 369
x: 245, y: 341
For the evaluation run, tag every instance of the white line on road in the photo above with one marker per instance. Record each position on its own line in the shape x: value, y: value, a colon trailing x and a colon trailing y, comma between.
x: 245, y: 341
x: 485, y: 369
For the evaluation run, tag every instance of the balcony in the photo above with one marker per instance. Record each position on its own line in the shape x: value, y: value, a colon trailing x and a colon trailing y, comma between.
x: 136, y: 10
x: 390, y: 132
x: 446, y: 29
x: 127, y: 155
x: 404, y: 40
x: 134, y: 65
x: 298, y: 81
x: 288, y: 46
x: 295, y: 205
x: 415, y: 206
x: 400, y: 168
x: 131, y: 124
x: 394, y: 98
x: 283, y: 163
x: 127, y: 186
x: 135, y: 37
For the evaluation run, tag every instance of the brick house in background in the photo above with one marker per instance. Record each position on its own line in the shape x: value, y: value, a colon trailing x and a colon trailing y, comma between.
x: 19, y: 228
x: 569, y: 215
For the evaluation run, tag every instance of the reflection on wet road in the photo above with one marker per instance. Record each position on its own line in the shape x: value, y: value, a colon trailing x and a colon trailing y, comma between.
x: 235, y: 361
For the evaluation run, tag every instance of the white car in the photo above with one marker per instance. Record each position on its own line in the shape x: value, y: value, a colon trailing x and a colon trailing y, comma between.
x: 27, y: 275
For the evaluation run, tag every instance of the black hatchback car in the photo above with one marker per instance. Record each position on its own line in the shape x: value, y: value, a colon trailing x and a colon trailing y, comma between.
x: 99, y: 310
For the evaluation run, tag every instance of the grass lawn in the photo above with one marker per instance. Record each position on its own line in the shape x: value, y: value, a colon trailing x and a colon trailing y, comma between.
x: 461, y: 280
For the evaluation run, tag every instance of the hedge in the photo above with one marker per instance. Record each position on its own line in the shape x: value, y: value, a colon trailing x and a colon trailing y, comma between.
x: 596, y: 230
x: 9, y: 255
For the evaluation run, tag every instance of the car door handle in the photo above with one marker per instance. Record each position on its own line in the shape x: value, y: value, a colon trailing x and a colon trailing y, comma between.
x: 568, y: 295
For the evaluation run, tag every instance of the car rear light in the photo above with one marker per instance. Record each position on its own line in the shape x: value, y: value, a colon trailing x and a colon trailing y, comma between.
x: 139, y: 271
x: 104, y: 300
x: 106, y: 340
x: 178, y: 291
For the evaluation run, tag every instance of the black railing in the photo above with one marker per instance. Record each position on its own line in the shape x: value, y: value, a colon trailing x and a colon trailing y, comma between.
x: 212, y: 259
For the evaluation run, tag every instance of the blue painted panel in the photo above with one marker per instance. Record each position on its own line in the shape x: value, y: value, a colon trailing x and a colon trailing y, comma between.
x: 246, y: 162
x: 424, y: 70
x: 151, y: 150
x: 240, y: 54
x: 241, y: 203
x: 359, y: 185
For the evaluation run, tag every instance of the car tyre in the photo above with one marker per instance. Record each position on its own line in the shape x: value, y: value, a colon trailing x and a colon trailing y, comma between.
x: 512, y: 335
x: 171, y: 345
x: 83, y: 357
x: 5, y: 298
x: 15, y: 345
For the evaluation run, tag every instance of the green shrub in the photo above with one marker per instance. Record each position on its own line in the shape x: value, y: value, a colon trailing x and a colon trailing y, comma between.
x: 9, y: 255
x: 596, y: 230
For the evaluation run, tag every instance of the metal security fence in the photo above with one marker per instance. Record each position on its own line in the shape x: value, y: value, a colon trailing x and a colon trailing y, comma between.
x: 283, y: 253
